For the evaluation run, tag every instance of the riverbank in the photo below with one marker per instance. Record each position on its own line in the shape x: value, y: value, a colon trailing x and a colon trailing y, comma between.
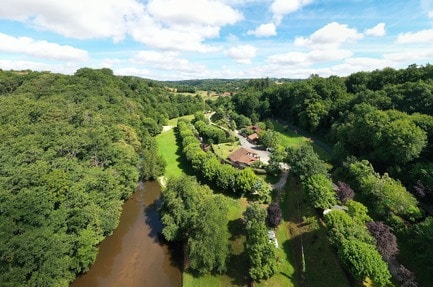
x: 133, y: 255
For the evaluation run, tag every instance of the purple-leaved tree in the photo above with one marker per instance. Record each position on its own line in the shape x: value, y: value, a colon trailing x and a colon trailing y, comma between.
x: 386, y: 240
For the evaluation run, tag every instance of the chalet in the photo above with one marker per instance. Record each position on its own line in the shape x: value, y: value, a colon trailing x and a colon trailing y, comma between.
x: 253, y: 138
x: 243, y: 157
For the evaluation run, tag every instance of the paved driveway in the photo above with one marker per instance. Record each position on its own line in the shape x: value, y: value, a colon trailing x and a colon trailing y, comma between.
x: 264, y: 155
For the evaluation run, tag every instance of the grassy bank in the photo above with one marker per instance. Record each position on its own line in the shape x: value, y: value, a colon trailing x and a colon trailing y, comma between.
x: 169, y: 150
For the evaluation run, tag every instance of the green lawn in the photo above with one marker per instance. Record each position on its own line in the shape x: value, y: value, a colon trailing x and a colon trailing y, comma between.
x: 321, y: 262
x: 167, y: 148
x: 173, y: 122
x: 285, y: 277
x: 288, y: 138
x: 225, y: 149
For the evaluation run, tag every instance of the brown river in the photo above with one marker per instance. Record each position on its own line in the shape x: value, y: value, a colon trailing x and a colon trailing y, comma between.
x: 134, y: 256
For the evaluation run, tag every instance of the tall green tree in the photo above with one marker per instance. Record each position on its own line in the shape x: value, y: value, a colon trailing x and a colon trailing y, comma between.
x: 260, y: 250
x: 190, y: 213
x: 318, y: 188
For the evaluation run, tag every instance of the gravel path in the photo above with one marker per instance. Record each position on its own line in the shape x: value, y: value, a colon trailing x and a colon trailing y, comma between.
x: 282, y: 182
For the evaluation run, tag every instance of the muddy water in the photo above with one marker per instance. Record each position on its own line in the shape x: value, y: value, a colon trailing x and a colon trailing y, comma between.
x: 134, y: 256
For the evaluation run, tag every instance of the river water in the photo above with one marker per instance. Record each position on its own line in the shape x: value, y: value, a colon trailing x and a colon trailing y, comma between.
x: 134, y: 256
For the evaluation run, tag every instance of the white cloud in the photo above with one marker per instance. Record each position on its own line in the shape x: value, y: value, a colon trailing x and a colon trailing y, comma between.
x: 376, y: 31
x: 310, y: 58
x: 157, y: 35
x: 132, y: 71
x: 232, y: 38
x: 64, y: 68
x: 167, y: 61
x: 423, y: 36
x: 409, y: 57
x: 174, y: 25
x: 109, y: 63
x: 291, y: 58
x: 166, y: 24
x: 332, y: 35
x: 264, y: 30
x: 283, y: 7
x: 81, y: 19
x: 430, y: 14
x: 24, y: 65
x: 199, y: 12
x: 242, y: 54
x: 41, y: 49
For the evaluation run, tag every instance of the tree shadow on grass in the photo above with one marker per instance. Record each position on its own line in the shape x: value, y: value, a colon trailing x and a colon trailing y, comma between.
x: 236, y: 228
x: 237, y: 269
x: 237, y: 263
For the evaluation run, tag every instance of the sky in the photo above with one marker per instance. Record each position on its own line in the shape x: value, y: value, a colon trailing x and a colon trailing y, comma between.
x: 201, y: 39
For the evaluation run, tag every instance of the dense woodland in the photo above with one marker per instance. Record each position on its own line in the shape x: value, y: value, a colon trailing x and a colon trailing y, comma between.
x: 380, y: 125
x: 74, y: 147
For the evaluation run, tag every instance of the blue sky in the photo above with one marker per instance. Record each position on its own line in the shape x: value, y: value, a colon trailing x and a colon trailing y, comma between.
x: 191, y: 39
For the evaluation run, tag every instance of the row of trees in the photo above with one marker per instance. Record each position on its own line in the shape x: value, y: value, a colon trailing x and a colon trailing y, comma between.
x: 211, y: 134
x: 260, y: 250
x: 224, y: 176
x: 389, y: 199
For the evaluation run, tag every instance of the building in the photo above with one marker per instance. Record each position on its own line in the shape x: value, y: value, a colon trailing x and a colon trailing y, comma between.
x: 253, y: 138
x: 243, y: 157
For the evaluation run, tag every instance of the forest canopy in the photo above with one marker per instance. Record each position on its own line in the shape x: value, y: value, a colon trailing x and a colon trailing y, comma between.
x: 72, y: 149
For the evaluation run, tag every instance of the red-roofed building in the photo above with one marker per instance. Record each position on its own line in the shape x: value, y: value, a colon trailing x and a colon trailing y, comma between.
x: 243, y: 157
x: 253, y: 138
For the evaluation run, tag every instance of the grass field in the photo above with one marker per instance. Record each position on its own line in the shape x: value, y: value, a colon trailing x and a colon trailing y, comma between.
x: 289, y: 138
x: 225, y: 149
x: 168, y: 149
x: 173, y: 122
x: 171, y: 152
x: 285, y: 277
x: 321, y: 262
